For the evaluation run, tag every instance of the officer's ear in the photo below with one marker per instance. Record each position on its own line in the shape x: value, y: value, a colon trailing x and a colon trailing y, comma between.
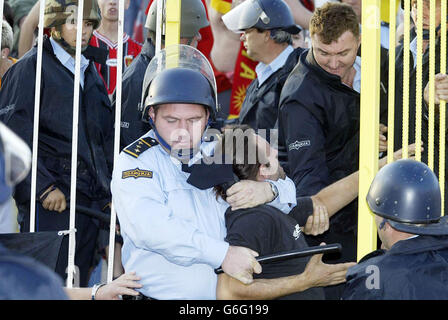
x: 207, y: 114
x: 267, y: 35
x: 152, y: 112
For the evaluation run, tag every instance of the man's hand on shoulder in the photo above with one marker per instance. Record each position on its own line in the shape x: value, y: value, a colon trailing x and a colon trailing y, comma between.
x: 249, y: 194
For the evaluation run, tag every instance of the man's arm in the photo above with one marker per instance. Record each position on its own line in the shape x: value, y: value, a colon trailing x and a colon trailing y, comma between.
x: 340, y: 193
x: 337, y: 195
x: 302, y: 15
x: 316, y: 274
x: 124, y: 285
x: 30, y: 23
x: 226, y: 44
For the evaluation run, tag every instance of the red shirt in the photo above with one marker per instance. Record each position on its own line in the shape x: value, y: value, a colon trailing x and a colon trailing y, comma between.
x: 108, y: 72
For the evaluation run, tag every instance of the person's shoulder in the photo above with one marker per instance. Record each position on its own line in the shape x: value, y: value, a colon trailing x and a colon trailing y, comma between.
x: 135, y: 73
x: 139, y: 147
x: 140, y: 159
x: 26, y: 60
x: 373, y: 258
x: 258, y: 215
x: 299, y: 80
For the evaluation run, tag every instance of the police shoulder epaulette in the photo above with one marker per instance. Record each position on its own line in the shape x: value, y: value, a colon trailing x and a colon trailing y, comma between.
x: 140, y: 146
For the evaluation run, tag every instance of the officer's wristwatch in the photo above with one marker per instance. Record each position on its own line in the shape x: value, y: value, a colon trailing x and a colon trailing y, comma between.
x: 274, y: 190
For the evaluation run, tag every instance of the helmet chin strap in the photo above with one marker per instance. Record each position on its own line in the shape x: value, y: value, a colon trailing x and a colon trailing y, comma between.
x: 182, y: 154
x: 382, y: 224
x: 67, y: 47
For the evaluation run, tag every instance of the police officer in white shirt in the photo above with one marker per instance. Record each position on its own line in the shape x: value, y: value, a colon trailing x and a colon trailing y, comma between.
x: 174, y: 232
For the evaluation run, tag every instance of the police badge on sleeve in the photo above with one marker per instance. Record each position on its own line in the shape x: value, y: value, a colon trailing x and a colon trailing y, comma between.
x: 136, y: 173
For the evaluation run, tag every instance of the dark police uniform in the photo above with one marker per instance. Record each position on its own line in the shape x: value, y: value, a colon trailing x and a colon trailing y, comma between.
x: 95, y: 145
x: 319, y: 142
x: 260, y: 107
x: 413, y: 269
x: 267, y: 230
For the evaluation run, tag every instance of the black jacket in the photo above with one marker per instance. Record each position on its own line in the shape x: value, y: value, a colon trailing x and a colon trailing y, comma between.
x: 260, y: 107
x: 413, y: 269
x: 95, y: 137
x: 132, y: 126
x: 319, y: 132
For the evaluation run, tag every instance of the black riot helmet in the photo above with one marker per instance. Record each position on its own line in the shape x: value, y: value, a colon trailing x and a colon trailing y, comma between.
x: 407, y: 194
x: 179, y: 74
x: 181, y: 85
x: 261, y: 14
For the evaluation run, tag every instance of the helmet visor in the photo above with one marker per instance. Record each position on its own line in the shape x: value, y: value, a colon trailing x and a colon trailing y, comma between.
x: 244, y: 16
x: 179, y: 56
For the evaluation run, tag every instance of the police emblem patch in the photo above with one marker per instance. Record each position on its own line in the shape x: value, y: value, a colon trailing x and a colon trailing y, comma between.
x: 136, y: 173
x: 299, y: 144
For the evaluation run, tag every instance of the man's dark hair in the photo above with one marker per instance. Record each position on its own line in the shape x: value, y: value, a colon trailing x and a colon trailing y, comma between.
x: 332, y: 20
x: 238, y: 144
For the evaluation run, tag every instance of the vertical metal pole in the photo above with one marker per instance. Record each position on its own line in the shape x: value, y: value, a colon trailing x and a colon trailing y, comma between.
x: 36, y: 117
x: 406, y: 73
x: 118, y: 92
x: 419, y: 82
x: 370, y: 100
x: 442, y: 105
x: 391, y: 92
x: 74, y: 165
x: 432, y: 73
x: 1, y: 15
x: 172, y: 22
x: 160, y: 24
x: 172, y: 37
